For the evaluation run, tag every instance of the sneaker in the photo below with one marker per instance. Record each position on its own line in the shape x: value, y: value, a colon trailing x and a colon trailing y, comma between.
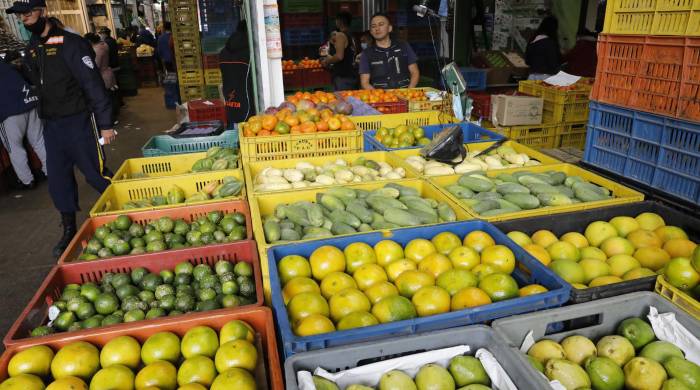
x: 18, y: 185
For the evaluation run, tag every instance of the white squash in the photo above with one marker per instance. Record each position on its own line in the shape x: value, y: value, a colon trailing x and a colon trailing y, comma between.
x: 293, y: 175
x: 439, y: 170
x: 344, y: 175
x: 325, y: 180
x: 304, y: 165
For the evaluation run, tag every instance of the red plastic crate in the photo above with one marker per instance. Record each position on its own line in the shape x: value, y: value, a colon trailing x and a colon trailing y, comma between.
x: 391, y: 107
x: 210, y: 61
x: 293, y: 78
x: 481, y: 104
x: 206, y: 110
x: 35, y: 314
x: 189, y: 214
x: 259, y: 318
x: 302, y: 20
x: 316, y: 77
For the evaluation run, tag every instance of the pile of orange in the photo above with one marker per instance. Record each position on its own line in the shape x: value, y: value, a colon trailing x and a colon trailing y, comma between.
x: 289, y: 65
x: 301, y: 122
x: 373, y: 95
x: 316, y: 97
x: 305, y: 63
x: 362, y: 285
x: 414, y: 95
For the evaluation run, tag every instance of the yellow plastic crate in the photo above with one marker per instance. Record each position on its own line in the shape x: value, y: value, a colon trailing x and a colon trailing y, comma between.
x: 678, y: 296
x: 252, y: 169
x: 212, y: 76
x: 401, y: 155
x: 541, y: 136
x: 149, y: 167
x: 443, y: 105
x: 571, y: 135
x: 553, y: 94
x: 621, y: 194
x: 425, y: 118
x: 191, y: 77
x: 191, y: 92
x: 652, y: 17
x: 119, y: 193
x: 280, y: 147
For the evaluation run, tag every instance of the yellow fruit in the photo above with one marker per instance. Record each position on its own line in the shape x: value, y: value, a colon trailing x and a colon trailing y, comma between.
x: 593, y: 268
x: 644, y: 238
x: 539, y: 253
x: 357, y: 254
x: 411, y: 281
x: 326, y: 259
x: 478, y: 240
x: 579, y: 286
x: 499, y: 286
x: 236, y: 330
x: 499, y: 256
x: 464, y: 257
x: 199, y: 369
x: 314, y: 324
x: 577, y: 239
x: 293, y: 266
x: 159, y: 374
x: 114, y: 377
x: 445, y: 242
x: 79, y: 359
x: 605, y: 280
x: 624, y: 225
x: 679, y: 247
x: 124, y: 350
x: 456, y: 279
x: 617, y: 246
x: 650, y: 221
x: 435, y: 264
x: 666, y: 233
x: 419, y: 249
x: 297, y: 286
x: 591, y: 252
x: 358, y: 319
x: 199, y: 340
x: 599, y: 231
x: 387, y: 251
x: 621, y: 264
x: 562, y: 250
x: 520, y: 238
x: 306, y: 304
x: 652, y: 257
x: 161, y: 346
x: 431, y: 300
x: 544, y: 238
x: 532, y: 289
x: 396, y: 267
x: 394, y: 308
x: 368, y: 275
x: 22, y: 382
x: 192, y: 386
x: 348, y: 301
x: 336, y: 281
x: 236, y: 353
x: 34, y: 360
x: 379, y: 291
x: 234, y: 378
x: 638, y: 273
x: 68, y: 383
x: 483, y: 270
x: 469, y: 297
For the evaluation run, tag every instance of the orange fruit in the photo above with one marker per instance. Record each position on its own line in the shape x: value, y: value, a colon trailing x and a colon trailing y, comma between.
x: 306, y: 304
x: 161, y: 346
x: 478, y: 240
x: 532, y: 289
x: 464, y: 257
x: 617, y: 246
x: 358, y: 319
x: 393, y: 308
x: 666, y: 233
x: 114, y: 377
x: 199, y: 340
x: 292, y: 266
x: 544, y: 238
x: 499, y: 286
x: 22, y: 382
x: 357, y: 254
x: 234, y: 378
x: 79, y: 359
x: 124, y: 350
x: 445, y: 242
x: 576, y: 239
x: 644, y: 238
x: 380, y: 290
x: 500, y: 256
x: 396, y: 267
x: 650, y: 221
x: 236, y: 353
x: 431, y: 300
x: 456, y: 279
x: 160, y: 374
x: 297, y: 286
x: 326, y: 259
x: 387, y: 251
x: 411, y: 281
x: 680, y: 247
x: 34, y: 360
x: 236, y: 330
x: 419, y: 249
x: 347, y: 301
x: 435, y: 264
x: 368, y: 275
x: 67, y: 383
x: 469, y: 297
x: 652, y: 257
x: 199, y: 369
x: 483, y: 270
x: 520, y: 238
x: 538, y: 252
x: 336, y: 281
x: 314, y: 324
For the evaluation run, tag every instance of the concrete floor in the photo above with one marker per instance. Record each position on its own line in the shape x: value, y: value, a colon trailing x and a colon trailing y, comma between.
x: 29, y: 224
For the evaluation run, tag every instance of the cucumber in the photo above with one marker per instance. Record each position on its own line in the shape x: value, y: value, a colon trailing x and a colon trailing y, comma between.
x: 401, y: 217
x: 446, y: 213
x: 403, y: 190
x: 386, y: 192
x: 358, y: 209
x: 511, y: 188
x: 425, y: 218
x: 381, y: 203
x: 290, y: 235
x: 342, y: 228
x: 346, y: 218
x: 364, y: 228
x: 475, y: 184
x: 485, y: 205
x: 317, y: 232
x: 298, y: 215
x: 541, y: 188
x: 523, y: 201
x: 273, y: 231
x: 459, y: 191
x: 554, y: 199
x: 341, y: 192
x: 487, y: 195
x: 330, y: 202
x: 557, y: 177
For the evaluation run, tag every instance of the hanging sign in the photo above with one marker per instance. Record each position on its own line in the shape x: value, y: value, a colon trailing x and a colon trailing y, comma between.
x: 272, y: 29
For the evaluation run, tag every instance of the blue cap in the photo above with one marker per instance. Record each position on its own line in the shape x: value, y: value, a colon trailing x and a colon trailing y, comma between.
x: 24, y: 6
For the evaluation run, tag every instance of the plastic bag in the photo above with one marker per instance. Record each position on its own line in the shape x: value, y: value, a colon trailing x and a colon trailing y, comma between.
x: 447, y: 146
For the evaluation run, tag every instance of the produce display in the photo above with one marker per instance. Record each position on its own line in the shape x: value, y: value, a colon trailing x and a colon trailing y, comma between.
x: 339, y: 172
x: 582, y: 84
x: 630, y: 359
x: 229, y: 187
x: 375, y: 97
x: 123, y: 237
x: 401, y: 136
x: 412, y: 94
x: 305, y: 63
x: 202, y: 359
x: 140, y: 294
x: 318, y: 97
x: 217, y: 158
x: 499, y: 158
x: 305, y: 117
x: 342, y: 210
x: 624, y: 248
x: 363, y: 286
x: 496, y: 60
x: 523, y: 190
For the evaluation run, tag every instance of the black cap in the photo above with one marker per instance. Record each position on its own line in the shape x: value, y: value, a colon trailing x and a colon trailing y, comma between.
x: 24, y: 6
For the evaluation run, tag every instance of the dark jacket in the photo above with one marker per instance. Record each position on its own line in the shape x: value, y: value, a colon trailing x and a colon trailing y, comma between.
x: 542, y: 56
x: 113, y: 52
x: 17, y: 96
x: 62, y: 65
x: 164, y: 49
x: 237, y: 77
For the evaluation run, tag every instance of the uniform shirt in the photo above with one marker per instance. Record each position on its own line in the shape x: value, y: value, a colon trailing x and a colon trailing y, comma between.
x: 407, y: 57
x: 17, y: 96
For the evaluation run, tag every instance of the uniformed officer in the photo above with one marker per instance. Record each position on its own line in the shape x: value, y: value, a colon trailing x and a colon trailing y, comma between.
x: 387, y: 64
x: 62, y: 65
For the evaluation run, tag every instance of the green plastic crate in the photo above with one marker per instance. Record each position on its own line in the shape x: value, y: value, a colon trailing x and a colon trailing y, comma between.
x: 302, y: 6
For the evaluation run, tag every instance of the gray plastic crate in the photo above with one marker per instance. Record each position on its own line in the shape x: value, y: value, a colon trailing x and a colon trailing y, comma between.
x: 354, y: 355
x: 600, y: 318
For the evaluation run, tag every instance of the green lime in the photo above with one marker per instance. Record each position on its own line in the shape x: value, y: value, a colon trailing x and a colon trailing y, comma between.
x: 211, y: 304
x: 163, y: 290
x: 111, y: 320
x: 90, y: 291
x: 85, y: 310
x: 201, y: 270
x: 134, y: 315
x: 155, y: 313
x: 206, y: 294
x: 104, y: 253
x: 137, y: 242
x: 238, y: 233
x: 102, y: 232
x: 156, y: 246
x: 93, y: 322
x: 151, y: 282
x: 153, y: 235
x: 120, y: 280
x: 122, y: 222
x: 229, y: 287
x: 184, y: 303
x: 184, y: 268
x: 64, y: 320
x: 147, y: 296
x: 167, y: 302
x: 165, y: 225
x: 41, y: 331
x: 230, y: 300
x: 127, y: 290
x: 136, y: 230
x: 181, y: 279
x: 121, y: 248
x: 243, y: 269
x: 167, y: 275
x: 194, y: 237
x: 238, y: 217
x: 93, y: 246
x: 137, y: 274
x: 106, y: 303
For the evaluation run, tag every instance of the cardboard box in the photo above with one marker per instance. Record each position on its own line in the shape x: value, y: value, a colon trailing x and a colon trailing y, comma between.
x: 516, y: 110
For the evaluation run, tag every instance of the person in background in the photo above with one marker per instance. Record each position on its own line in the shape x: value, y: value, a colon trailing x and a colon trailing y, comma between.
x: 582, y: 59
x: 366, y: 41
x: 164, y: 49
x: 342, y: 53
x: 145, y: 37
x: 106, y: 35
x: 542, y: 54
x: 387, y: 64
x: 102, y: 63
x: 236, y: 76
x: 19, y: 118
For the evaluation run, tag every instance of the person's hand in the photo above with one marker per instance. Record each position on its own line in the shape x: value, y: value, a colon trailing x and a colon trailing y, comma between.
x: 108, y: 135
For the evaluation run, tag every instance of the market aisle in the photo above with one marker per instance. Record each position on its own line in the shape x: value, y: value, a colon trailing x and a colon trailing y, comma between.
x: 29, y: 225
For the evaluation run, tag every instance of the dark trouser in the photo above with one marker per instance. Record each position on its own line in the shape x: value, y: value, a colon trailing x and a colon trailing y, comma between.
x: 341, y: 83
x: 72, y: 141
x: 116, y: 104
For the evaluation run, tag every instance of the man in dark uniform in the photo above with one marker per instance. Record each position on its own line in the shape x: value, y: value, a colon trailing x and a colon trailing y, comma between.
x: 387, y: 64
x: 62, y: 66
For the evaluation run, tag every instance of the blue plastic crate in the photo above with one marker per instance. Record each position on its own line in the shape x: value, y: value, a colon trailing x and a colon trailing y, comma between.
x: 537, y: 272
x: 303, y: 36
x: 660, y: 152
x: 475, y: 78
x: 470, y: 131
x: 165, y: 145
x: 424, y: 50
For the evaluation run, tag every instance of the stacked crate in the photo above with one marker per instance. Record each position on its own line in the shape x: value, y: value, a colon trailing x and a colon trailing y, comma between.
x: 645, y: 118
x: 303, y: 27
x: 188, y: 52
x: 219, y: 19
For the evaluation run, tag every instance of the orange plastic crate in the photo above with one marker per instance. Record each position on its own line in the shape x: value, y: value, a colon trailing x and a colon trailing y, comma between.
x: 259, y: 318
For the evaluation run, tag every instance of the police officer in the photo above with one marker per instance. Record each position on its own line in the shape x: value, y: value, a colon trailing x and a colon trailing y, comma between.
x: 62, y: 65
x: 387, y: 64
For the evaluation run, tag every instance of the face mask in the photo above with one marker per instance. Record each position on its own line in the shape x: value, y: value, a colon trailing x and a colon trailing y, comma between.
x: 364, y: 45
x: 38, y: 27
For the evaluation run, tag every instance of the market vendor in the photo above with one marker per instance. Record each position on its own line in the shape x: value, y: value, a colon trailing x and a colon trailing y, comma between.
x: 387, y: 64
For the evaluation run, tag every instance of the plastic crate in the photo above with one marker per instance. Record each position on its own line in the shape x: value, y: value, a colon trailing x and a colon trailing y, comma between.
x: 481, y: 104
x: 165, y: 145
x: 425, y: 118
x: 206, y: 110
x: 401, y: 155
x: 351, y: 356
x: 679, y: 297
x: 654, y: 17
x: 293, y: 78
x: 212, y: 76
x: 302, y: 20
x: 303, y: 36
x: 315, y: 77
x: 188, y: 62
x: 653, y: 150
x: 217, y: 30
x: 578, y: 221
x: 259, y: 318
x: 278, y: 147
x: 474, y: 77
x: 559, y: 106
x: 556, y: 95
x: 185, y: 14
x: 534, y: 272
x: 119, y: 193
x: 470, y: 132
x: 593, y: 320
x: 571, y: 135
x: 36, y: 312
x: 210, y: 61
x: 191, y: 92
x: 443, y: 105
x: 151, y: 167
x: 190, y: 76
x: 541, y: 136
x: 302, y: 6
x: 398, y: 107
x: 620, y: 193
x: 212, y: 91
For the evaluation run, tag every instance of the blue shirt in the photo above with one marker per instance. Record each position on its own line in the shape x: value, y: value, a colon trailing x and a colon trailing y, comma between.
x: 17, y: 97
x: 163, y: 49
x: 410, y: 56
